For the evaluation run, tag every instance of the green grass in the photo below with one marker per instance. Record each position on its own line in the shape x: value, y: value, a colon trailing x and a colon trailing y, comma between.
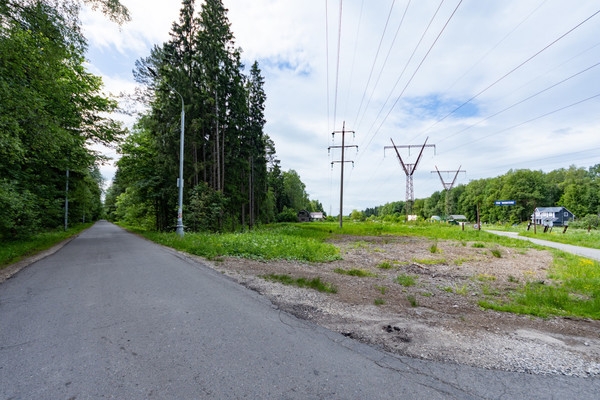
x: 433, y: 249
x: 14, y: 251
x: 385, y: 265
x: 412, y: 300
x: 406, y: 280
x: 496, y: 253
x: 574, y: 290
x: 361, y: 273
x: 315, y: 283
x: 278, y: 243
x: 379, y: 302
x: 575, y: 237
x: 429, y: 261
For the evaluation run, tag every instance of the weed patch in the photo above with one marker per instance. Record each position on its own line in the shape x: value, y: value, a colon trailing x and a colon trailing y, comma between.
x: 361, y: 273
x: 314, y: 283
x: 406, y: 280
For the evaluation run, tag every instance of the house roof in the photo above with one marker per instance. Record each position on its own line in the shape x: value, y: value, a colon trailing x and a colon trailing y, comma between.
x: 458, y: 216
x: 551, y: 209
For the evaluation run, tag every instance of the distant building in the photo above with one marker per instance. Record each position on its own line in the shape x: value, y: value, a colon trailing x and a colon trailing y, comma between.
x: 457, y: 219
x: 552, y: 216
x: 316, y: 216
x: 303, y: 216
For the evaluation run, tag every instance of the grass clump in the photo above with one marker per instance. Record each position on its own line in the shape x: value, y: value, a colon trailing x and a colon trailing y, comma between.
x: 361, y: 273
x: 412, y: 300
x: 478, y: 245
x: 314, y: 283
x: 433, y: 249
x: 496, y: 253
x: 429, y: 261
x: 381, y: 289
x: 406, y: 280
x: 385, y: 265
x: 379, y: 302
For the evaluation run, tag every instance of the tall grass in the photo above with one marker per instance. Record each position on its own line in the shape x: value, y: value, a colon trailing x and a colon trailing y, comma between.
x: 573, y: 291
x: 575, y: 237
x: 282, y: 243
x: 14, y: 251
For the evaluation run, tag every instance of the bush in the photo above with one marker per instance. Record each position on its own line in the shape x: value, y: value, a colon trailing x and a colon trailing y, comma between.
x: 18, y: 215
x: 287, y: 215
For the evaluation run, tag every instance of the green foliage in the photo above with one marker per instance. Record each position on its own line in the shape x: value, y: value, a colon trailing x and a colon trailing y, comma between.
x: 385, y: 265
x: 412, y: 300
x: 406, y: 280
x: 52, y: 110
x: 205, y: 210
x: 287, y: 215
x: 433, y: 249
x: 379, y: 302
x: 574, y: 291
x: 576, y: 189
x: 283, y: 244
x: 314, y: 283
x: 362, y: 273
x: 18, y: 212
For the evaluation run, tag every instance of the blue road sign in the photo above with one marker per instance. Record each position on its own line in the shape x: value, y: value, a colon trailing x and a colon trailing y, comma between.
x: 505, y: 202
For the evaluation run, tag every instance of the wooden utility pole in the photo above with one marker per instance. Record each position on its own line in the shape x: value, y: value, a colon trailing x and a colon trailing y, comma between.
x: 343, y: 147
x: 448, y: 185
x: 409, y: 169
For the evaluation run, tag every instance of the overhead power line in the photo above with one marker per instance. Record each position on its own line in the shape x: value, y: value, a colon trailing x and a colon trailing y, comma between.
x: 414, y: 73
x: 375, y: 60
x: 521, y: 101
x: 529, y: 120
x: 515, y: 68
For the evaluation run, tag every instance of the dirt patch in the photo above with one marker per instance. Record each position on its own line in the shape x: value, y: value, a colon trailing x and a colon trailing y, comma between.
x: 437, y: 317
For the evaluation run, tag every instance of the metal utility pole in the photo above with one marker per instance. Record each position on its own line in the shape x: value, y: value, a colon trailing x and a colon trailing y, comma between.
x: 67, y: 202
x: 409, y: 169
x: 448, y: 185
x: 343, y: 147
x: 179, y: 228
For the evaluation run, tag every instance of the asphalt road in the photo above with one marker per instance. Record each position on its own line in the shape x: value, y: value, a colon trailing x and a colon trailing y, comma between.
x: 112, y: 315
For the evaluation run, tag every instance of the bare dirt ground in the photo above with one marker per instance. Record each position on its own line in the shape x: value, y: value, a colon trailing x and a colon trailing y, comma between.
x: 437, y: 318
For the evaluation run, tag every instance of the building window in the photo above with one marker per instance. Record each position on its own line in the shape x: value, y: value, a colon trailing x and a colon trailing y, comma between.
x: 566, y: 214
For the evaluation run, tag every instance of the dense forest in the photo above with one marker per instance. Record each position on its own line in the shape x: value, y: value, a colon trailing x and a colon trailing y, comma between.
x: 577, y: 189
x: 51, y: 112
x: 231, y: 177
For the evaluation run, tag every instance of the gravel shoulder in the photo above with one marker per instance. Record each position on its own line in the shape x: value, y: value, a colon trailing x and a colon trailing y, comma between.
x: 437, y: 318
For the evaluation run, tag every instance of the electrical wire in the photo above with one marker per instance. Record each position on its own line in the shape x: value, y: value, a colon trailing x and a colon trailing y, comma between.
x: 337, y: 70
x: 354, y: 54
x: 415, y: 72
x: 385, y: 62
x: 375, y: 61
x: 529, y: 120
x: 515, y: 68
x: 520, y: 102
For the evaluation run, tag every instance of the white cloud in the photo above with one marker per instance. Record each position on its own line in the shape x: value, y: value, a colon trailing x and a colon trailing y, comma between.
x: 478, y: 55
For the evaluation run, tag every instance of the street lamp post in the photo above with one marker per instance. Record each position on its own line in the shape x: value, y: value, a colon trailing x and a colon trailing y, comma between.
x: 179, y: 228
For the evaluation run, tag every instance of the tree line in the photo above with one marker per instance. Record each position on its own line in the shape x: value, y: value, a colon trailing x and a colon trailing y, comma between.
x: 577, y: 189
x: 232, y: 178
x: 51, y: 111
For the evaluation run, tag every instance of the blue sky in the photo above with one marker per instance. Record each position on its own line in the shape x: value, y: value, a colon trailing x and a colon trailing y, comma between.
x: 524, y: 72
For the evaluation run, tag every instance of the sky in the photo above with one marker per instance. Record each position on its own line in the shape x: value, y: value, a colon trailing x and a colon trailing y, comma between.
x: 494, y: 85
